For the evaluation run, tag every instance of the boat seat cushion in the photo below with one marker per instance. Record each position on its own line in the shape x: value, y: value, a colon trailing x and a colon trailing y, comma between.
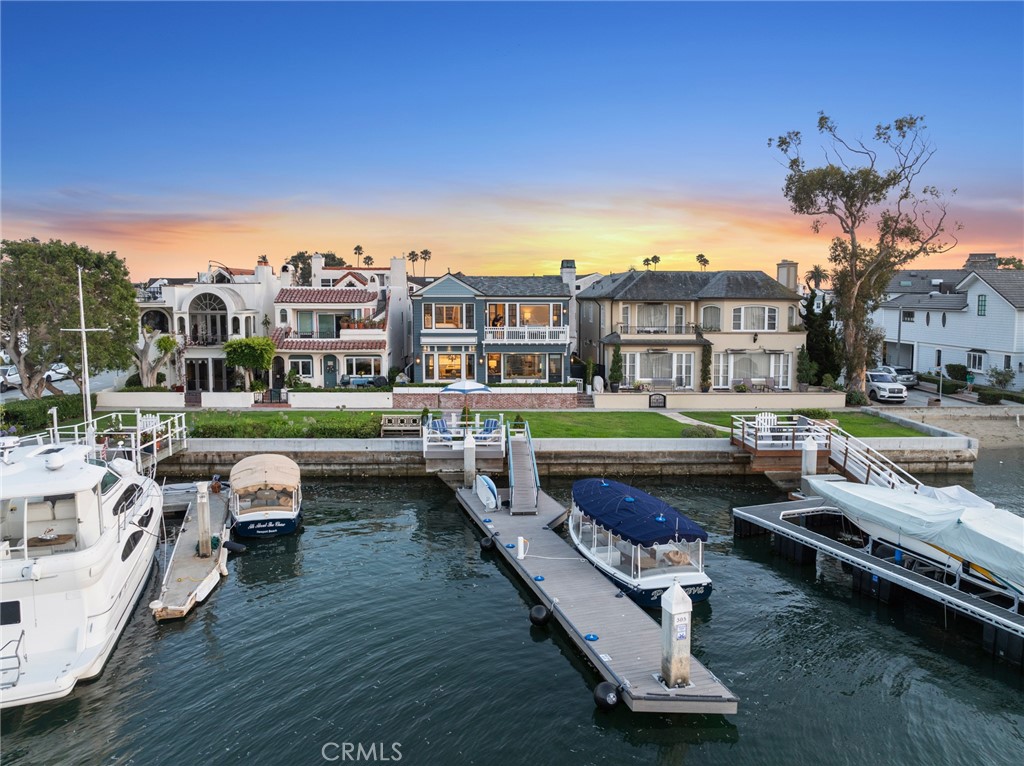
x: 40, y: 511
x: 62, y: 527
x: 65, y: 509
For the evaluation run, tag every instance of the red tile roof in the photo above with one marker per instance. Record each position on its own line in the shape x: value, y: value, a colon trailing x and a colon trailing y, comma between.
x: 284, y: 342
x: 325, y: 295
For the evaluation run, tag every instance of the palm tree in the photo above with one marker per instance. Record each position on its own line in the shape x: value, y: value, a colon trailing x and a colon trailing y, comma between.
x: 425, y: 256
x: 817, y: 275
x: 703, y: 261
x: 655, y: 260
x: 647, y: 263
x: 412, y: 256
x: 367, y: 261
x: 357, y: 251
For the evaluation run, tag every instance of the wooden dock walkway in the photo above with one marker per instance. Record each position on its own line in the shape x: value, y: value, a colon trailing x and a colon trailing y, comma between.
x: 627, y: 651
x: 189, y: 579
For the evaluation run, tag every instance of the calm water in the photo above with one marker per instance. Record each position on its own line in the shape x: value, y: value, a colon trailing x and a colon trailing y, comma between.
x: 383, y: 626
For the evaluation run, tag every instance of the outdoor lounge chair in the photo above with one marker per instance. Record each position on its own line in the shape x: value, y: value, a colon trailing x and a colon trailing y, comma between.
x: 440, y: 427
x: 769, y: 384
x: 491, y: 432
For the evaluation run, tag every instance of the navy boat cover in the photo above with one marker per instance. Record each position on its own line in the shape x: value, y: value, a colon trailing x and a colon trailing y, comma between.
x: 632, y: 513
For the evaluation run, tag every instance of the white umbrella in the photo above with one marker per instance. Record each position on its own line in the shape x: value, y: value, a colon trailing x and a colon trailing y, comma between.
x: 465, y: 387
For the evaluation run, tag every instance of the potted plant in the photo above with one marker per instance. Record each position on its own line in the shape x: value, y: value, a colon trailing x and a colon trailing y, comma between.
x: 805, y: 369
x: 615, y: 372
x: 705, y: 369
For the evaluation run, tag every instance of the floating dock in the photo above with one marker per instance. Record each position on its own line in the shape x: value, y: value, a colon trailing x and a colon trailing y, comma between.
x: 189, y: 577
x: 793, y: 525
x: 627, y: 649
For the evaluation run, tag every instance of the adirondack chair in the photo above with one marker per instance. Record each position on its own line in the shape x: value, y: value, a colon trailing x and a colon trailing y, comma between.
x: 490, y: 433
x: 440, y: 427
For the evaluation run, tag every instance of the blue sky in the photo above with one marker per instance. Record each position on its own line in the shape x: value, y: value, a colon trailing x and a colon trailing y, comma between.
x: 502, y: 136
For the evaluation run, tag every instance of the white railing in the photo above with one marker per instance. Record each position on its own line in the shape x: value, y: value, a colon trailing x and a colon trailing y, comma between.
x: 526, y: 335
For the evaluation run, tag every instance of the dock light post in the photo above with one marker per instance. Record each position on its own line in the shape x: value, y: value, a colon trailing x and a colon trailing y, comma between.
x: 469, y: 461
x: 809, y: 457
x: 676, y: 607
x: 203, y: 519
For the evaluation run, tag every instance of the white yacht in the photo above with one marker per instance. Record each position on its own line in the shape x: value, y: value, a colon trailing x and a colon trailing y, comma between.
x: 78, y: 538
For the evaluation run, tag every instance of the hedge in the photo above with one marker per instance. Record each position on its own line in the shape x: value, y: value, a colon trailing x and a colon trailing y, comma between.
x: 31, y: 415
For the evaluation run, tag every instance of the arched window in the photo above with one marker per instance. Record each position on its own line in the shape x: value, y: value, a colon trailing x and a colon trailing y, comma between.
x: 284, y: 316
x: 155, y: 320
x: 208, y: 316
x: 711, y: 318
x: 943, y: 318
x: 236, y: 326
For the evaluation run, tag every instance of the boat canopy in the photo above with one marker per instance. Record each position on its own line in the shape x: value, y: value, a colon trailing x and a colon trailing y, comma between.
x: 264, y: 471
x: 633, y: 514
x: 951, y: 518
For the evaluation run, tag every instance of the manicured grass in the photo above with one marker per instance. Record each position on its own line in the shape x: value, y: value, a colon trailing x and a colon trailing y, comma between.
x: 857, y: 424
x: 548, y: 424
x: 575, y: 424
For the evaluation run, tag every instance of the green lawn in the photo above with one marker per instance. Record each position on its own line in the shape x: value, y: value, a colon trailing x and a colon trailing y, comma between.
x: 553, y: 424
x: 572, y: 424
x: 857, y: 424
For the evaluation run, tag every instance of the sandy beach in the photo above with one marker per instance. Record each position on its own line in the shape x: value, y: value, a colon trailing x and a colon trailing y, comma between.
x: 995, y: 427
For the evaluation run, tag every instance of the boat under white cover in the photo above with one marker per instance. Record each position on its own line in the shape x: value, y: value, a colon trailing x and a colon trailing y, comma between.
x: 947, y: 522
x: 78, y: 536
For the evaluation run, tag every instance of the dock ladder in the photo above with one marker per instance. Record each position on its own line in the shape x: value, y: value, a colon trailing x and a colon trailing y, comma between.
x: 523, y: 480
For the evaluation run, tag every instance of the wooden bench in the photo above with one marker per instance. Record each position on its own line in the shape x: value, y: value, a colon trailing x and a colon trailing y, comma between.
x: 663, y: 384
x: 400, y: 425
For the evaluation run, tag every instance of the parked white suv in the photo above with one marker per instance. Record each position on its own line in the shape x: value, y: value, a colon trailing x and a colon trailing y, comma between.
x: 9, y: 377
x: 882, y: 387
x: 903, y: 375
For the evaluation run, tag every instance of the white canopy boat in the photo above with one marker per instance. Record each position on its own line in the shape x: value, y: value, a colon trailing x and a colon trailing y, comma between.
x: 78, y: 536
x: 951, y: 527
x: 266, y: 496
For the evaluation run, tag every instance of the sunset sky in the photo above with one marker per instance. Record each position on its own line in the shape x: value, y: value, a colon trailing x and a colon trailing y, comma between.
x: 502, y: 137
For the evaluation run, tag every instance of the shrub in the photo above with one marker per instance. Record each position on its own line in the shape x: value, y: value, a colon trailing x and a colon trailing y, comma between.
x: 424, y: 415
x: 814, y: 413
x: 828, y: 381
x: 999, y: 377
x: 694, y: 431
x: 948, y: 386
x: 740, y: 388
x: 134, y: 382
x: 856, y: 398
x: 990, y: 397
x: 957, y: 371
x: 30, y: 415
x: 149, y: 389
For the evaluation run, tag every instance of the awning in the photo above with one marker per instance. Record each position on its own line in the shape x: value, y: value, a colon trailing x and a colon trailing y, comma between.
x: 264, y: 471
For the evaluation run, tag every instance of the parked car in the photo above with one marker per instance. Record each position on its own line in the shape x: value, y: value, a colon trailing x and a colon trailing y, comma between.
x: 903, y: 375
x: 9, y: 377
x: 883, y: 387
x: 58, y: 371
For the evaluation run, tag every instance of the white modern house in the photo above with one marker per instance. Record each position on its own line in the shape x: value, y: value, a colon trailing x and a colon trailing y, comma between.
x: 359, y: 330
x: 972, y: 316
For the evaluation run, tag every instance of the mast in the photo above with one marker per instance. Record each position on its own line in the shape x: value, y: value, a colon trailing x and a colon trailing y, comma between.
x: 87, y: 398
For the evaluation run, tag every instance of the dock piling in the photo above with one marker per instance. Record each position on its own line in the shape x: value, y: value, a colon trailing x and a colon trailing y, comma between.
x: 809, y: 457
x: 203, y: 519
x: 469, y: 461
x: 676, y: 607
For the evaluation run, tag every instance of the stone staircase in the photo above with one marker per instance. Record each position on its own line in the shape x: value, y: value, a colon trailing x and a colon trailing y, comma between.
x: 584, y: 401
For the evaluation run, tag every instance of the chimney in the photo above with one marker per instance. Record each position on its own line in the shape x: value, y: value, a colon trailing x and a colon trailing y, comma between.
x: 316, y: 269
x: 787, y: 274
x: 981, y: 262
x: 569, y: 274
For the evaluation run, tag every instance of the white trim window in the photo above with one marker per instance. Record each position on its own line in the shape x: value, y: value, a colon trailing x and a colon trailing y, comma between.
x: 625, y: 317
x: 303, y: 365
x: 363, y: 365
x: 755, y: 318
x: 652, y: 317
x: 711, y: 318
x: 684, y: 370
x: 448, y: 316
x: 975, y: 361
x: 629, y: 368
x: 720, y: 371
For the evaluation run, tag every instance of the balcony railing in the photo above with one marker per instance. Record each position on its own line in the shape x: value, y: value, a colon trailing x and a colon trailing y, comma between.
x: 207, y: 339
x: 526, y: 334
x: 335, y: 334
x: 687, y: 328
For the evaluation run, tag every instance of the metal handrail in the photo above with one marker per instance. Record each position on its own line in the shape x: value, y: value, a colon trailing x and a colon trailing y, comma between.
x: 533, y: 461
x: 16, y: 667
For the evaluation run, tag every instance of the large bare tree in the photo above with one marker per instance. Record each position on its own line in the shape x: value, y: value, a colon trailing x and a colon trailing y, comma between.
x: 886, y: 215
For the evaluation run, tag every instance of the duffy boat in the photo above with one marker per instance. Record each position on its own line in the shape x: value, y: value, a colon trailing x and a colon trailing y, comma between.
x: 266, y: 496
x: 639, y: 542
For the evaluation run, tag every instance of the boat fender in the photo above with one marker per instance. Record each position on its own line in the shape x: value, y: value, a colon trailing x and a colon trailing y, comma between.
x: 234, y: 547
x: 540, y: 615
x: 606, y: 695
x: 486, y: 543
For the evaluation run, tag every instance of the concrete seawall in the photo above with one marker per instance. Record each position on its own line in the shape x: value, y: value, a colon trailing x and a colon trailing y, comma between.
x: 364, y: 458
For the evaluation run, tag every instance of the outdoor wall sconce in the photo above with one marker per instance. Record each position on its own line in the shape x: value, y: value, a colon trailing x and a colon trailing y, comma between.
x: 755, y: 337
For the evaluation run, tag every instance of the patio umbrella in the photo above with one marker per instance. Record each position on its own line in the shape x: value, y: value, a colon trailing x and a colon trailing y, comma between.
x: 465, y: 387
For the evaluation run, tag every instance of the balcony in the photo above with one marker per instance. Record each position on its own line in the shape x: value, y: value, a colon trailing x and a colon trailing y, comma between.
x: 528, y: 334
x: 689, y: 328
